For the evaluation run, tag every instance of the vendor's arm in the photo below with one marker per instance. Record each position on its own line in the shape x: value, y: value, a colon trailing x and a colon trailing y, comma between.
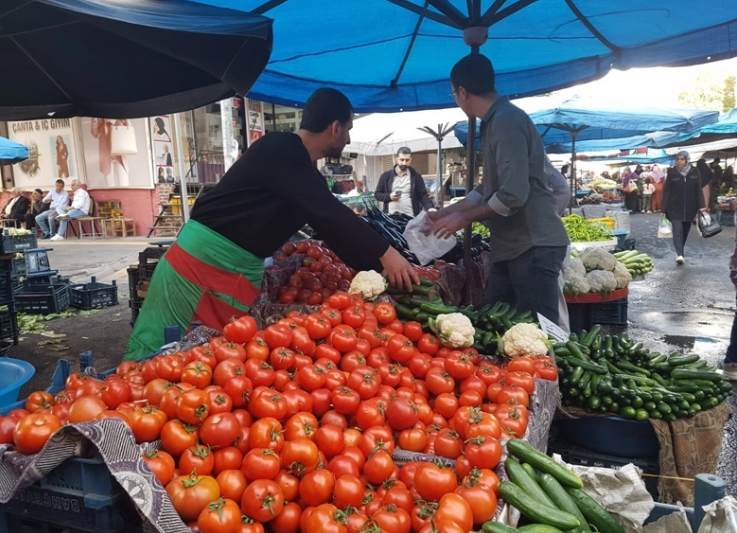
x: 348, y: 236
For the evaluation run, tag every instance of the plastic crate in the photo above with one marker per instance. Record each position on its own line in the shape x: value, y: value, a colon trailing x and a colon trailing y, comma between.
x: 581, y: 456
x: 725, y: 218
x: 18, y: 243
x: 36, y: 263
x: 7, y: 284
x: 610, y: 435
x: 135, y: 306
x: 80, y: 494
x: 37, y: 298
x: 585, y: 316
x: 9, y: 325
x: 93, y: 295
x: 10, y: 523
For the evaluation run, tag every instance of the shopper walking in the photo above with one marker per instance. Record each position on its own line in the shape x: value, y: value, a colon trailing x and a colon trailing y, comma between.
x: 682, y: 200
x: 657, y: 177
x: 729, y: 365
x: 515, y: 198
x: 648, y: 189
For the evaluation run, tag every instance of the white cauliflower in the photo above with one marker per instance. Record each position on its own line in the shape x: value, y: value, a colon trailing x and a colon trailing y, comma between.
x: 622, y: 275
x: 454, y: 330
x: 524, y: 340
x: 575, y: 283
x: 576, y: 265
x: 601, y: 281
x: 369, y: 284
x: 598, y: 259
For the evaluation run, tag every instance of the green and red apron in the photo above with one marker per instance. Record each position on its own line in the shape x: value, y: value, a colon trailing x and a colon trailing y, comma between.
x: 203, y: 277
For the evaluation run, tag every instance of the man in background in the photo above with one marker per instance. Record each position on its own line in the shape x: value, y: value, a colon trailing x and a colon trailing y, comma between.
x: 402, y: 189
x: 16, y: 208
x: 37, y: 207
x: 55, y: 198
x: 80, y: 208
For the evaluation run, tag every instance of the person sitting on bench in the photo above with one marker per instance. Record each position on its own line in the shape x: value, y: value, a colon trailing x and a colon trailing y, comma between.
x: 80, y: 208
x: 16, y: 208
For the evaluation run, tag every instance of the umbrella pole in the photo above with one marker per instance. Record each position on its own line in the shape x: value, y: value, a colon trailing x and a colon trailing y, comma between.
x: 470, y: 178
x: 439, y: 196
x: 574, y: 182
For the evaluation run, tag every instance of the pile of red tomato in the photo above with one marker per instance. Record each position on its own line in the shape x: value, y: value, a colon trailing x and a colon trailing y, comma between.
x: 294, y: 428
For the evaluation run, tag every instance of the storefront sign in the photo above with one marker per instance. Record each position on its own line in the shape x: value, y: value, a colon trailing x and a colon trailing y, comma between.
x: 255, y: 118
x: 116, y: 153
x: 52, y: 153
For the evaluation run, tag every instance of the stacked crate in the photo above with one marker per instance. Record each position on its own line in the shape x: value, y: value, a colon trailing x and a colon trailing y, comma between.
x: 139, y: 276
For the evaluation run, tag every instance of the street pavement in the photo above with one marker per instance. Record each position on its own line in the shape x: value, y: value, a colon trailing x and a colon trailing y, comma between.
x: 688, y: 307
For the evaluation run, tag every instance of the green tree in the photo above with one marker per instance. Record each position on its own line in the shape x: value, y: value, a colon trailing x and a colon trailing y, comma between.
x: 728, y: 98
x: 705, y: 92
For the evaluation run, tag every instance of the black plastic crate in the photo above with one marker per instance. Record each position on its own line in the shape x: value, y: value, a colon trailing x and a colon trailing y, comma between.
x: 37, y: 298
x: 47, y: 279
x: 79, y: 495
x: 37, y: 263
x: 135, y: 306
x: 9, y: 325
x: 93, y: 295
x: 7, y: 285
x: 585, y: 316
x: 581, y: 456
x: 18, y: 243
x: 725, y: 218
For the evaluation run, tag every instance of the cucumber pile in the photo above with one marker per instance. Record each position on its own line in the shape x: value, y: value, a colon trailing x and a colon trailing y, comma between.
x: 490, y: 322
x: 635, y: 262
x: 549, y: 495
x: 611, y: 374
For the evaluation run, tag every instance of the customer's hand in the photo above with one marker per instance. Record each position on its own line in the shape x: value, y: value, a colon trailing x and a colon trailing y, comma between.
x: 395, y: 197
x: 703, y: 209
x: 446, y: 225
x: 399, y: 271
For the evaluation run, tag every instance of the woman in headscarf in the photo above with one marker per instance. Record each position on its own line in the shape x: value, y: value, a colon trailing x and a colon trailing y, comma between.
x: 656, y: 177
x: 707, y: 176
x: 682, y: 199
x: 631, y: 191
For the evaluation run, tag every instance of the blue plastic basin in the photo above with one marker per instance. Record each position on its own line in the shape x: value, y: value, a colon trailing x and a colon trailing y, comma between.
x: 14, y: 373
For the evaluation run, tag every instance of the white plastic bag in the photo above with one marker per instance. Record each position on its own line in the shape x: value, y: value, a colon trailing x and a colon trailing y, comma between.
x: 665, y: 230
x: 423, y: 242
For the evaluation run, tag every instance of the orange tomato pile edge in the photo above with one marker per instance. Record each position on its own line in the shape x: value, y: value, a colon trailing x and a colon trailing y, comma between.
x: 293, y: 428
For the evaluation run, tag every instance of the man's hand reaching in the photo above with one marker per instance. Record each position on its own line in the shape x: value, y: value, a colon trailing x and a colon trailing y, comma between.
x: 399, y: 271
x: 445, y: 224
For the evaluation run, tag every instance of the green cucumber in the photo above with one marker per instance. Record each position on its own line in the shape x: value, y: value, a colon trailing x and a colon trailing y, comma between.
x: 530, y: 471
x: 587, y: 365
x: 595, y: 514
x: 535, y: 511
x: 684, y: 373
x: 577, y: 375
x: 683, y: 360
x: 438, y: 309
x: 523, y: 480
x: 543, y: 463
x: 497, y: 527
x: 629, y: 367
x: 561, y: 498
x: 539, y: 528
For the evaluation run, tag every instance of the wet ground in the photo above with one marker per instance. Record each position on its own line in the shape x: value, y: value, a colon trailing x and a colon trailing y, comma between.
x: 690, y: 308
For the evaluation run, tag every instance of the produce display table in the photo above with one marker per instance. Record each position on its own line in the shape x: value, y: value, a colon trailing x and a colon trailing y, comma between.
x: 586, y: 310
x: 597, y: 297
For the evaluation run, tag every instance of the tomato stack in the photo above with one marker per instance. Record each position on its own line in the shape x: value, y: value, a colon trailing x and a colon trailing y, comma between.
x: 295, y: 427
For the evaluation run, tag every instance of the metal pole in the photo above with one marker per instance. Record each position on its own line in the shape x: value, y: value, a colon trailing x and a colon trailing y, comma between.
x: 470, y: 178
x: 439, y: 191
x: 574, y: 185
x: 182, y: 169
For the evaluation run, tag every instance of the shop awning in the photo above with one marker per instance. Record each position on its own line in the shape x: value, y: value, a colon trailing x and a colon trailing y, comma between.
x: 12, y: 152
x: 396, y: 55
x: 124, y: 58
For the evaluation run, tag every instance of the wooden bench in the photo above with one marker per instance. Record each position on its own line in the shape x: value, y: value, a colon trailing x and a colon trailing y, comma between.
x: 92, y: 219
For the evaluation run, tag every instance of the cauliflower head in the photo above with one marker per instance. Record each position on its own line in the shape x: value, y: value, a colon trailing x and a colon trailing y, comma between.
x: 369, y: 284
x: 598, y: 259
x: 524, y: 340
x: 455, y: 330
x: 601, y: 281
x: 575, y: 283
x: 622, y: 275
x: 576, y: 265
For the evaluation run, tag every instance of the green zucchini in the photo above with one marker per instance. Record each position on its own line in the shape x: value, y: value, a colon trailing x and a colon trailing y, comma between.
x: 535, y: 511
x: 539, y: 528
x: 562, y: 499
x: 683, y: 360
x: 594, y: 513
x: 438, y: 309
x: 523, y: 480
x: 530, y: 471
x: 543, y: 463
x: 588, y: 365
x: 404, y: 312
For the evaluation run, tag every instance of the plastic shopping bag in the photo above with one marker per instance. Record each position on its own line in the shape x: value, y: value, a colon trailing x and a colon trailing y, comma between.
x: 422, y: 241
x: 665, y: 230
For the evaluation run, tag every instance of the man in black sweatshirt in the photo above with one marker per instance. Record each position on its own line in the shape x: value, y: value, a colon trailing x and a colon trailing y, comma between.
x: 403, y: 189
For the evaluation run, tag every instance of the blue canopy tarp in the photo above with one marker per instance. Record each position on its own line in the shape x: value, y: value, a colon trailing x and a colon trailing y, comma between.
x: 392, y: 55
x: 124, y: 58
x: 727, y: 124
x: 11, y: 152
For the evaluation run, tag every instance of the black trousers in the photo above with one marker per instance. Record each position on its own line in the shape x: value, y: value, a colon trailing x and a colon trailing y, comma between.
x: 680, y: 234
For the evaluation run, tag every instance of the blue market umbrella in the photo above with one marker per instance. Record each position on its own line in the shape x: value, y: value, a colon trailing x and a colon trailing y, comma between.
x: 11, y: 152
x: 124, y: 58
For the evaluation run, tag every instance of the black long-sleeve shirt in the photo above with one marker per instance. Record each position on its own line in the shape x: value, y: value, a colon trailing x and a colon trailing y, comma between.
x: 274, y: 190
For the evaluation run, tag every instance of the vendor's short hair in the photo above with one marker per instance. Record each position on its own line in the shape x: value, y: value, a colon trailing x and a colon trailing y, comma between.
x: 324, y: 107
x: 404, y: 151
x: 474, y: 73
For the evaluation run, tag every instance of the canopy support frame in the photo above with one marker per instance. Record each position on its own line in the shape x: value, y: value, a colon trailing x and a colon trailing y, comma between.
x: 589, y: 26
x: 421, y: 18
x: 432, y: 15
x: 441, y: 133
x: 267, y: 6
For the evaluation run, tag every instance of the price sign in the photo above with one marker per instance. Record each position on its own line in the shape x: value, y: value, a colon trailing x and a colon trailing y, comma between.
x: 551, y: 329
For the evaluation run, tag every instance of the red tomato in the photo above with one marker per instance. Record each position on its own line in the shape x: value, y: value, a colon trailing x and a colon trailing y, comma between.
x: 520, y: 379
x: 240, y: 330
x: 85, y: 409
x: 513, y: 395
x: 401, y: 414
x: 219, y: 430
x: 191, y: 494
x: 262, y: 500
x: 33, y: 431
x: 432, y: 482
x: 161, y: 464
x: 483, y: 452
x: 193, y: 406
x: 197, y: 459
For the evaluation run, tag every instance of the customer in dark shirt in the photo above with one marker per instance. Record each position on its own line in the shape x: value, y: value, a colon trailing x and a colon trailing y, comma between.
x: 17, y: 206
x: 214, y: 270
x: 515, y: 198
x: 37, y: 207
x: 402, y: 189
